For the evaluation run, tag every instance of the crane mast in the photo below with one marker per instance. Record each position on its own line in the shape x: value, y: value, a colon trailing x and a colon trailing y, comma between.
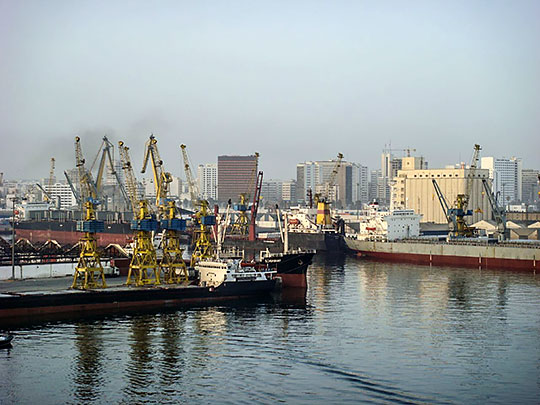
x: 143, y: 266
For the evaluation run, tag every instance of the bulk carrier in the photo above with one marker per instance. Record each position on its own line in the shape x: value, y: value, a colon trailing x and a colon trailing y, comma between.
x: 396, y: 237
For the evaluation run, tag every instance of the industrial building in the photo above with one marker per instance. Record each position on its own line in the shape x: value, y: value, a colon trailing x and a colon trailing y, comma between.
x: 414, y: 189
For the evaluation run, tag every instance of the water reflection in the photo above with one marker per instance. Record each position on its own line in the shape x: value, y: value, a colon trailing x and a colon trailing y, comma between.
x: 172, y: 347
x: 88, y: 361
x: 141, y: 358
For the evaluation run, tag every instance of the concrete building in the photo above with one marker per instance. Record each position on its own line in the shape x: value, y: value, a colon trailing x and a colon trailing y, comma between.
x: 288, y: 191
x: 316, y: 175
x: 373, y: 188
x: 530, y: 186
x: 507, y: 177
x: 62, y: 192
x: 271, y: 191
x: 360, y: 184
x: 413, y: 189
x: 208, y: 181
x: 236, y: 175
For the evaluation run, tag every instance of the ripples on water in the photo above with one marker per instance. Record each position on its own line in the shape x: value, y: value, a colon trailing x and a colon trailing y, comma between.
x: 363, y: 332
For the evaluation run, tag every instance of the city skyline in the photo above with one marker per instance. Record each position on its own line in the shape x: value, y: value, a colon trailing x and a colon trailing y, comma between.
x: 294, y: 81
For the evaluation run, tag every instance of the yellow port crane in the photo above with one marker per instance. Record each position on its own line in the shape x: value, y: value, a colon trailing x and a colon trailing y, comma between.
x: 203, y: 219
x: 323, y: 201
x: 162, y: 179
x: 241, y: 224
x: 456, y: 215
x: 89, y: 271
x: 143, y: 266
x: 171, y: 263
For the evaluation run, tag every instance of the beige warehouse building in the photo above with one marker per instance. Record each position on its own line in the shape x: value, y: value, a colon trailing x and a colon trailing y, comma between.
x: 413, y: 189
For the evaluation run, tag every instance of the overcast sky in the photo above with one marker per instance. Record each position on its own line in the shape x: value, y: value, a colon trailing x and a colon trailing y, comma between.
x: 292, y: 80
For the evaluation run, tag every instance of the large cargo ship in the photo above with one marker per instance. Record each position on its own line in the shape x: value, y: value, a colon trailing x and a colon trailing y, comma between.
x: 65, y: 232
x: 466, y: 253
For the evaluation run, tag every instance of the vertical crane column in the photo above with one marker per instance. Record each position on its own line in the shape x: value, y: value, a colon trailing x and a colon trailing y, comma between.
x: 89, y: 271
x: 143, y: 267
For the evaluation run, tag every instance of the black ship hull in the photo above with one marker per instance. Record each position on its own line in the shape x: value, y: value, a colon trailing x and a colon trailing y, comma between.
x: 30, y: 305
x: 291, y: 267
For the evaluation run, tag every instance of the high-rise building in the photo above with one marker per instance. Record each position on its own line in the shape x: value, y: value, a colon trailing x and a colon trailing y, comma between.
x: 236, y: 175
x: 61, y: 192
x: 360, y: 184
x: 506, y: 176
x: 373, y: 188
x: 315, y: 176
x: 208, y: 181
x: 414, y: 189
x: 271, y: 191
x: 529, y: 186
x: 288, y: 191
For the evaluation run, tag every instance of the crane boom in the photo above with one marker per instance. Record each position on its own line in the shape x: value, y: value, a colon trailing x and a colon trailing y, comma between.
x: 129, y: 175
x: 192, y: 184
x: 161, y: 178
x: 498, y: 213
x: 470, y: 177
x: 87, y: 187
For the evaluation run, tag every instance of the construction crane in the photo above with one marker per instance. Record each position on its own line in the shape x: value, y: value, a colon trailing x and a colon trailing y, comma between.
x: 162, y: 179
x: 241, y: 224
x: 172, y: 264
x: 499, y: 213
x: 323, y: 201
x: 89, y: 271
x: 107, y: 153
x: 143, y: 266
x: 203, y: 219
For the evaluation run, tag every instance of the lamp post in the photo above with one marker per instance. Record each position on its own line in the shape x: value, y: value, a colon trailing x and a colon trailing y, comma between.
x: 14, y: 200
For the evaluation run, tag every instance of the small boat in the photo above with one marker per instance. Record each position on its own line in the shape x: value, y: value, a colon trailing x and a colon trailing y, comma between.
x: 5, y: 341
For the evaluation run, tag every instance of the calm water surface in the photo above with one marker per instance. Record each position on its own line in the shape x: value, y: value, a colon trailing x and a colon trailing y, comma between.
x: 363, y: 332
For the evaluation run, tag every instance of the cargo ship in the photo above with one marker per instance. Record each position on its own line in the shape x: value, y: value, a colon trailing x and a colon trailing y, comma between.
x: 465, y: 253
x: 65, y: 232
x: 395, y: 236
x: 218, y: 280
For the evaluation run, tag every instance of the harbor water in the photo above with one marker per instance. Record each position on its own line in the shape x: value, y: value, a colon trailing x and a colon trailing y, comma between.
x: 364, y: 331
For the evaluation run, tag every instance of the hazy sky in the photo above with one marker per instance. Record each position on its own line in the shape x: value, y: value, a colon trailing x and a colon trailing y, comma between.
x: 292, y: 80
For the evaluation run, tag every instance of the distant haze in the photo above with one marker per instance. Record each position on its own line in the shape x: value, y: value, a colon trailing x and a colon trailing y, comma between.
x: 292, y: 80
